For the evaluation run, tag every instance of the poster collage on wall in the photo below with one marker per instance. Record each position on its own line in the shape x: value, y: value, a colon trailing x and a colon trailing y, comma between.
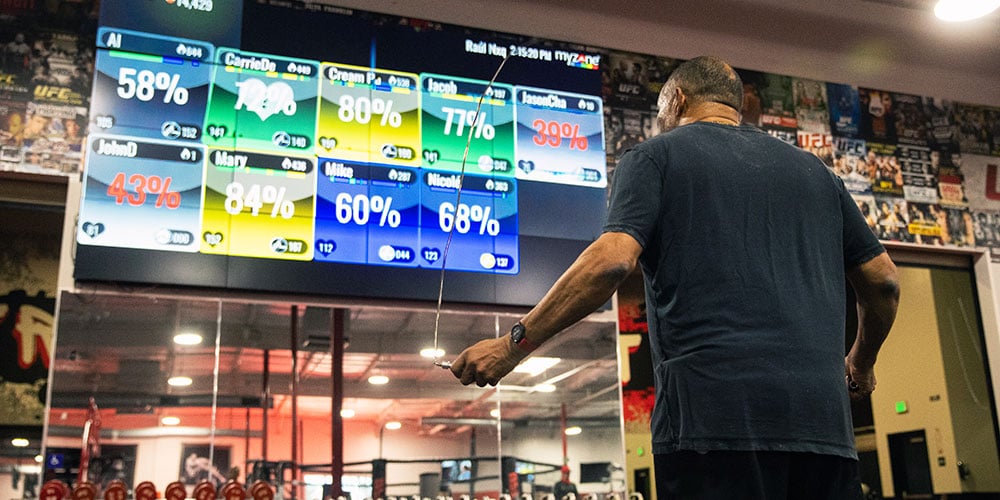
x: 46, y: 72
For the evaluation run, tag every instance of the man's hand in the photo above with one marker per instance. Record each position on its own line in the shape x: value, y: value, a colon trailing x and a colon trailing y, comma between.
x: 860, y: 381
x: 487, y: 361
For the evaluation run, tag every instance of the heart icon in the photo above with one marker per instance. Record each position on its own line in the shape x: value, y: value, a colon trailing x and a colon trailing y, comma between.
x: 526, y: 166
x: 325, y: 247
x: 212, y: 238
x: 93, y: 229
x: 430, y: 254
x: 266, y: 100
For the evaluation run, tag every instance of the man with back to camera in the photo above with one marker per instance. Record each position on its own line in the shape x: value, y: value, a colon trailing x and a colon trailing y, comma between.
x: 745, y: 245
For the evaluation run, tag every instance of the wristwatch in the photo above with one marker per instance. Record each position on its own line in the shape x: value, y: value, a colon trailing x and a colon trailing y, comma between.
x: 519, y: 338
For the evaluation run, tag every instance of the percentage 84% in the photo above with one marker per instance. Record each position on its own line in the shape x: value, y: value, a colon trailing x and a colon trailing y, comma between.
x: 238, y: 197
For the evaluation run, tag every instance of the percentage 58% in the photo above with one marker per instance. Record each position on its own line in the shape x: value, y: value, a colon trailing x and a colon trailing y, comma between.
x: 358, y: 209
x: 144, y: 84
x: 551, y: 133
x: 255, y: 197
x: 137, y: 186
x: 361, y: 110
x: 462, y: 218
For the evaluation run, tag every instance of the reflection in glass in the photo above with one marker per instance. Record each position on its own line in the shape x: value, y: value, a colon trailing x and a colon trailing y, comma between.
x: 234, y: 420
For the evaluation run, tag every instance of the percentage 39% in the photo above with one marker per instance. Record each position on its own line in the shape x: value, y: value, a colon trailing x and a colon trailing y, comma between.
x: 358, y: 209
x: 255, y: 197
x: 551, y: 133
x: 361, y: 110
x: 135, y: 188
x: 143, y: 85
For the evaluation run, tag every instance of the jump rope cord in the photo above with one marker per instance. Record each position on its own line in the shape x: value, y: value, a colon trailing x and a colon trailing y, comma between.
x: 458, y: 199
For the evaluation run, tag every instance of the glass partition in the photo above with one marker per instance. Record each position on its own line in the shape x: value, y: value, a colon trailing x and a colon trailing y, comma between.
x: 191, y: 389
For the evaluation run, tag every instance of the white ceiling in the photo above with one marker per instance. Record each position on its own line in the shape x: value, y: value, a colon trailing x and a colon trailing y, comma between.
x: 893, y: 45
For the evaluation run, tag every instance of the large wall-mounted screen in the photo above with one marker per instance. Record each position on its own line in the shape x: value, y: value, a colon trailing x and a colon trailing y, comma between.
x: 299, y: 147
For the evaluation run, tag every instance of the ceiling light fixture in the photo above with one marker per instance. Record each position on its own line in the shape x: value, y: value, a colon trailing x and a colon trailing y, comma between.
x: 536, y: 365
x: 19, y: 442
x: 179, y: 381
x: 432, y: 353
x: 187, y: 338
x: 38, y: 459
x: 964, y: 10
x: 378, y: 380
x: 573, y: 431
x: 393, y: 426
x: 347, y: 413
x: 169, y: 420
x: 495, y: 413
x: 544, y: 388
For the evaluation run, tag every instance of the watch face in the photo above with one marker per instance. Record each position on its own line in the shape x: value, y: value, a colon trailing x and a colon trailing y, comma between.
x: 517, y: 333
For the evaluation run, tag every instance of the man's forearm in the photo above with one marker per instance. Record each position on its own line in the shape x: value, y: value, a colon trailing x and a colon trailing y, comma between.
x: 877, y: 287
x: 874, y: 322
x: 584, y: 287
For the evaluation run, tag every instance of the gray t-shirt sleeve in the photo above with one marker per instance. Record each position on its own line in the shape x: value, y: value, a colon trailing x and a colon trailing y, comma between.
x: 636, y: 196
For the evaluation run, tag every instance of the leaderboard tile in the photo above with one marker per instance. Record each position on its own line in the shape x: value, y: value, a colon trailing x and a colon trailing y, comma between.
x: 368, y: 115
x: 483, y: 222
x: 150, y: 86
x: 367, y: 214
x: 448, y: 117
x: 261, y: 102
x: 258, y: 205
x: 560, y: 137
x: 141, y: 193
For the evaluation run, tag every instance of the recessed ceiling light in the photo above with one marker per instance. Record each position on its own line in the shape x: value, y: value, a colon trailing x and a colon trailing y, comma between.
x: 392, y: 426
x: 347, y: 413
x: 187, y: 339
x: 19, y: 442
x: 545, y: 388
x: 378, y: 380
x: 170, y: 420
x: 964, y: 10
x: 495, y: 413
x: 179, y: 381
x: 432, y: 353
x: 39, y: 458
x: 573, y: 431
x: 534, y: 366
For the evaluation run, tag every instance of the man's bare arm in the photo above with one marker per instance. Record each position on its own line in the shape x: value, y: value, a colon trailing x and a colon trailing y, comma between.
x: 588, y: 283
x: 877, y: 288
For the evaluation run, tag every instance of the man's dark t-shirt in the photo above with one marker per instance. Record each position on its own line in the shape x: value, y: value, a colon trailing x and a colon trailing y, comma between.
x: 745, y: 243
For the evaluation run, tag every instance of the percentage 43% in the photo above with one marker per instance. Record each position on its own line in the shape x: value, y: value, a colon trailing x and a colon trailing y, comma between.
x: 255, y: 197
x: 358, y: 209
x: 135, y: 188
x: 551, y: 133
x: 144, y: 84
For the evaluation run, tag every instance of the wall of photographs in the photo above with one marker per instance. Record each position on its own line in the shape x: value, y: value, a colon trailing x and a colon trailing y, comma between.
x: 922, y: 169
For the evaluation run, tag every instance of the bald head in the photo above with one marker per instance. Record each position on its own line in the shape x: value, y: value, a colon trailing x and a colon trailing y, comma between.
x: 708, y: 79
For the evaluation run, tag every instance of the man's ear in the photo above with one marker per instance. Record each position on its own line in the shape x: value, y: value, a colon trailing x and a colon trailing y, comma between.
x: 681, y: 101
